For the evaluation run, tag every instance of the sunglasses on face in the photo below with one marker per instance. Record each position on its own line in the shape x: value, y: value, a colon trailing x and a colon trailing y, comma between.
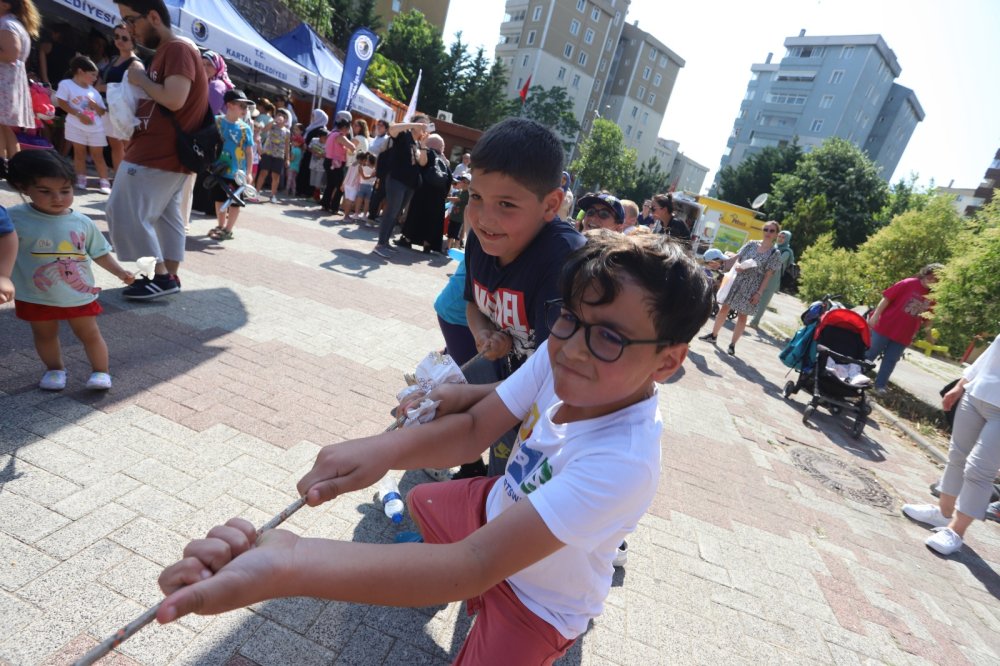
x: 770, y: 231
x: 604, y: 342
x: 602, y: 213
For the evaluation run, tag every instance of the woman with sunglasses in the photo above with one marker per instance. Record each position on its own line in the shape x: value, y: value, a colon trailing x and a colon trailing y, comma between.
x: 114, y: 72
x: 748, y: 287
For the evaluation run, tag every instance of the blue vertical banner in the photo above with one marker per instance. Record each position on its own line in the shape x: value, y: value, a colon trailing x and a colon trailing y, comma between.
x: 360, y: 51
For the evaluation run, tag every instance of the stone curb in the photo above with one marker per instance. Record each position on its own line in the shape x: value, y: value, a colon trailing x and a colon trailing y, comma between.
x: 917, y: 438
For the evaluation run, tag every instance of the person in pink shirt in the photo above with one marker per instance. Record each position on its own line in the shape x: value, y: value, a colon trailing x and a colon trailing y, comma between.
x: 338, y: 145
x: 897, y: 319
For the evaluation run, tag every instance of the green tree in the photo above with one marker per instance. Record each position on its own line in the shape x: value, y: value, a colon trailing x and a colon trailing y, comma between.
x: 968, y: 291
x: 479, y: 101
x: 809, y: 220
x: 604, y: 162
x: 386, y: 76
x: 830, y: 270
x: 551, y: 107
x: 855, y: 193
x: 912, y: 240
x: 650, y: 179
x: 338, y: 25
x: 904, y: 196
x: 365, y: 16
x: 414, y: 45
x: 757, y: 173
x: 317, y: 13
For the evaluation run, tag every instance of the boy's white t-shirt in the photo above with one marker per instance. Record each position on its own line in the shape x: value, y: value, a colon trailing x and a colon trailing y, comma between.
x: 77, y: 96
x: 590, y: 481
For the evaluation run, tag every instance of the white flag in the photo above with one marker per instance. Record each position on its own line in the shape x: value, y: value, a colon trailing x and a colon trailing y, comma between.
x: 412, y: 108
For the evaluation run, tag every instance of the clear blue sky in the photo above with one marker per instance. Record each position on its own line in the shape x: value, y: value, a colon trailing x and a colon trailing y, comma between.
x: 947, y: 52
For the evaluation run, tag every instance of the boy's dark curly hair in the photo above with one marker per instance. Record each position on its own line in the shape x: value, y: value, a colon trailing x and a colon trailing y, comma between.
x: 27, y: 166
x: 678, y: 292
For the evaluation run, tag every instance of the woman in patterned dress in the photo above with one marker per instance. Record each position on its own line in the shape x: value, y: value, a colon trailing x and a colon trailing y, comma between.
x: 749, y: 284
x: 19, y: 24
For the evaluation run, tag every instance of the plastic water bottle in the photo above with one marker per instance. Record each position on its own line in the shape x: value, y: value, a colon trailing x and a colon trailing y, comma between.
x: 392, y: 501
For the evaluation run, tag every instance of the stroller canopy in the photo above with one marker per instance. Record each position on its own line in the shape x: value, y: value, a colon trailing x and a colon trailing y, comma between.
x: 848, y: 320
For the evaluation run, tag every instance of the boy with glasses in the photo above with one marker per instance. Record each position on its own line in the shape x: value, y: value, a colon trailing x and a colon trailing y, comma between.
x: 530, y: 551
x: 601, y: 211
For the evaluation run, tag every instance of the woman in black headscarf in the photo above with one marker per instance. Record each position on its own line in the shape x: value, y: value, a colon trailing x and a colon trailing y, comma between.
x: 316, y: 127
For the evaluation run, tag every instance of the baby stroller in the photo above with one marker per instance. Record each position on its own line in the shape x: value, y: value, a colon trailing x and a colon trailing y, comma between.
x: 829, y: 353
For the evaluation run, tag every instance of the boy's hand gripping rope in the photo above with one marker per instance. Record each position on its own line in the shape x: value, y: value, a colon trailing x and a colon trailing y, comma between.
x: 103, y: 648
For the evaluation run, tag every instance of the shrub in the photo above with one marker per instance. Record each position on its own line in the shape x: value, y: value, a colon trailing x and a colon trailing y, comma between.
x: 830, y: 270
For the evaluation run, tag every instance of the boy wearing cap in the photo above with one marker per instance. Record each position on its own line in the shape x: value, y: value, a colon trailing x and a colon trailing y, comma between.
x: 601, y: 211
x: 237, y: 147
x: 456, y: 216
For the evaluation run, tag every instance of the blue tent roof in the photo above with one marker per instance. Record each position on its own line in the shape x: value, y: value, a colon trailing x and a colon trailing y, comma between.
x: 305, y: 47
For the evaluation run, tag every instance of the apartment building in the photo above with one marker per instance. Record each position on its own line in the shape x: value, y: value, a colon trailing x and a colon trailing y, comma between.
x: 636, y: 90
x: 436, y: 11
x: 827, y: 86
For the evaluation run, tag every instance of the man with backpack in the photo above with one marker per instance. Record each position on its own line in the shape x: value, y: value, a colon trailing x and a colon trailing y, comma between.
x: 144, y: 208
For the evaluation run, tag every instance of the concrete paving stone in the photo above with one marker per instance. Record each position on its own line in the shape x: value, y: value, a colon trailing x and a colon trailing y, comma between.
x: 93, y: 497
x: 265, y: 498
x: 155, y: 644
x: 162, y: 476
x: 700, y: 568
x: 165, y: 428
x: 273, y: 645
x: 27, y: 480
x: 841, y: 656
x: 989, y: 616
x: 255, y: 467
x: 370, y: 649
x: 21, y: 563
x: 430, y: 633
x: 69, y: 653
x: 15, y: 613
x: 295, y: 613
x: 403, y: 653
x: 135, y: 578
x: 155, y: 504
x: 60, y: 624
x: 152, y: 541
x: 85, y: 531
x: 26, y: 520
x: 65, y: 582
x: 336, y: 623
x: 206, y: 489
x: 303, y: 453
x: 219, y: 642
x: 52, y: 457
x: 217, y: 434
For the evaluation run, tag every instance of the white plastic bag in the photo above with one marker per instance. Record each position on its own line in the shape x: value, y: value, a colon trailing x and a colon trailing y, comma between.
x: 435, y: 369
x: 726, y: 285
x: 122, y: 103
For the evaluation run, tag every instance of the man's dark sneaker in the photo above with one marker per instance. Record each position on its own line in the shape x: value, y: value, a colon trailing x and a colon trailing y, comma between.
x: 470, y: 471
x: 145, y: 289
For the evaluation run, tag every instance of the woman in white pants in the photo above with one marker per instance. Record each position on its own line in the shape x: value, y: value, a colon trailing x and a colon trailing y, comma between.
x: 973, y: 457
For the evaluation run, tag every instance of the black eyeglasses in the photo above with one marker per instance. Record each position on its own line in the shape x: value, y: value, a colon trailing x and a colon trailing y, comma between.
x: 602, y: 213
x: 606, y: 344
x: 122, y: 38
x: 130, y: 20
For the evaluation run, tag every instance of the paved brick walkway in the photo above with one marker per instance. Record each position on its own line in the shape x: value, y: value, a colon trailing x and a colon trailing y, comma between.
x: 291, y: 337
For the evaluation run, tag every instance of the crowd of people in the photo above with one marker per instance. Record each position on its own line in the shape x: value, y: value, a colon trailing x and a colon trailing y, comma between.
x: 566, y: 325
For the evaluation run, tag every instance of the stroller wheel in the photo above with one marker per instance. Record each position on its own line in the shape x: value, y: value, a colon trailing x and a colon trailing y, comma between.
x: 866, y: 409
x: 790, y: 389
x: 858, y: 427
x: 806, y: 413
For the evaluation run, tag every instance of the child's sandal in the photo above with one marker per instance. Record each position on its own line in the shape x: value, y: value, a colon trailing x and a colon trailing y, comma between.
x: 214, y: 233
x: 226, y: 235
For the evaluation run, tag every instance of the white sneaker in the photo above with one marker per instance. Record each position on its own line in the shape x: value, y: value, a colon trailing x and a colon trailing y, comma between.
x: 53, y: 380
x: 104, y: 186
x: 621, y: 557
x: 944, y: 540
x: 81, y: 182
x: 274, y: 199
x: 928, y: 514
x: 99, y: 381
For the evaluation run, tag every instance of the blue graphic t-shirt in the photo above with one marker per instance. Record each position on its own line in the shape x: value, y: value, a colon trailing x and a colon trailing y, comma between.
x: 237, y: 137
x: 590, y: 482
x: 53, y: 264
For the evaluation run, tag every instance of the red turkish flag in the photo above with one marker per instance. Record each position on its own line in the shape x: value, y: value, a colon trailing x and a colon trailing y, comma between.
x: 524, y: 91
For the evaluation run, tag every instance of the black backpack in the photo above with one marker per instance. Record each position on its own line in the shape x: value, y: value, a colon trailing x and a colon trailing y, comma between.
x: 197, y: 150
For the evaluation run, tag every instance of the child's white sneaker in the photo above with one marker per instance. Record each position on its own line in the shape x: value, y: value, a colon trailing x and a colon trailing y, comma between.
x: 104, y: 185
x: 99, y: 381
x: 53, y: 380
x: 81, y: 182
x: 621, y: 556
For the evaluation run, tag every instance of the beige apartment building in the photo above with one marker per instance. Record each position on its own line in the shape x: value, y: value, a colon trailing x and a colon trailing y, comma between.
x: 436, y: 11
x: 608, y: 67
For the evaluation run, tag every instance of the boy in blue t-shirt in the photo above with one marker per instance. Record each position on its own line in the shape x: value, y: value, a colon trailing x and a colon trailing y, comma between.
x: 237, y: 150
x: 515, y: 254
